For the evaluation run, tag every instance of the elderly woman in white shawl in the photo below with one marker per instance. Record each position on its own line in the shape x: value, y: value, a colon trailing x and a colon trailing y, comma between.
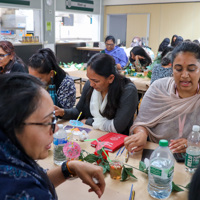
x: 171, y: 106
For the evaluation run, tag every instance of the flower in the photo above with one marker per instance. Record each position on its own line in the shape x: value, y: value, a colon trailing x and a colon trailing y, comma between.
x: 103, y: 155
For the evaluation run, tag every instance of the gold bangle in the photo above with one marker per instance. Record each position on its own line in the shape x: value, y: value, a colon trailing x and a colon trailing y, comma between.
x: 69, y: 168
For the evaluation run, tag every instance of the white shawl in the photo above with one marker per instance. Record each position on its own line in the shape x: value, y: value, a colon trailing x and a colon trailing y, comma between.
x: 161, y: 108
x: 97, y: 106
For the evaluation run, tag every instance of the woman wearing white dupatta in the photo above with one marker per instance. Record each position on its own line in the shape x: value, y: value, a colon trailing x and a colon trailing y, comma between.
x: 171, y: 106
x: 108, y: 101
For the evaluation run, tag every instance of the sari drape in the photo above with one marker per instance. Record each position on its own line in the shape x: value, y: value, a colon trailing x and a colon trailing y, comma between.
x: 161, y: 108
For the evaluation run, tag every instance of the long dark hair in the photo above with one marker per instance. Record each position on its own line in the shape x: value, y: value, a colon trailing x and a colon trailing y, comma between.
x: 9, y: 48
x: 172, y: 40
x: 44, y: 61
x: 138, y: 50
x: 104, y: 65
x: 164, y: 44
x: 24, y: 93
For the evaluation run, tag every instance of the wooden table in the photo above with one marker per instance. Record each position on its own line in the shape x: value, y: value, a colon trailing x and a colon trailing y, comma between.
x: 142, y: 84
x: 116, y: 190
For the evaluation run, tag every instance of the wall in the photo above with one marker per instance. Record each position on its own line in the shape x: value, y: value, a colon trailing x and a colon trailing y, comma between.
x: 166, y: 20
x: 131, y: 2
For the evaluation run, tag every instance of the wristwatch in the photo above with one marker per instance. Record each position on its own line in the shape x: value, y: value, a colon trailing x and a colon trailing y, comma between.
x: 66, y: 171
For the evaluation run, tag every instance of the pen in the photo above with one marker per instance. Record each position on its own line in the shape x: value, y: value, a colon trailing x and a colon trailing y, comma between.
x: 122, y: 151
x: 118, y: 152
x: 127, y: 156
x: 130, y: 197
x: 133, y: 195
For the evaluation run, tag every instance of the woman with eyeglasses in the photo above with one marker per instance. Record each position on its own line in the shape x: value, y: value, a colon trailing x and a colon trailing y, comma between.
x: 43, y: 65
x: 9, y: 61
x: 108, y: 101
x: 116, y: 52
x: 26, y: 134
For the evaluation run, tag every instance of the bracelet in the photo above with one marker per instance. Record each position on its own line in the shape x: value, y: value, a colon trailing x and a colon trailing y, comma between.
x: 68, y: 168
x: 66, y: 171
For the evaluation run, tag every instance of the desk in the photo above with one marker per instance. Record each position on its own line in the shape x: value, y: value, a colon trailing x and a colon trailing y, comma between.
x: 142, y: 84
x: 88, y: 52
x: 116, y: 190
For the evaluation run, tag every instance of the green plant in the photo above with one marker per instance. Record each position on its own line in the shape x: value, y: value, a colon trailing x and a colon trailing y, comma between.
x: 101, y: 160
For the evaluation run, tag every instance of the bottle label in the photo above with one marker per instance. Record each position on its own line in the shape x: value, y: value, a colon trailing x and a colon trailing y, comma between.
x: 192, y: 161
x: 162, y: 173
x: 60, y: 141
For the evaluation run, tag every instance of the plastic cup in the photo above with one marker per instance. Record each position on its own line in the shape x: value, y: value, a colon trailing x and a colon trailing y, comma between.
x: 145, y: 72
x: 115, y: 169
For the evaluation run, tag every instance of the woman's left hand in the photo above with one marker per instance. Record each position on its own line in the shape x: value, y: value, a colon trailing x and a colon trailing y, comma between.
x: 178, y: 145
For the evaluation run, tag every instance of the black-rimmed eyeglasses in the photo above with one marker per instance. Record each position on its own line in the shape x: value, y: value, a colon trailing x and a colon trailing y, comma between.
x: 4, y: 55
x: 53, y: 123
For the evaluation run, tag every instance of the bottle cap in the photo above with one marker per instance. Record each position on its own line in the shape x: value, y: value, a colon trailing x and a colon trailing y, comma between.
x: 60, y: 126
x: 195, y: 128
x: 163, y: 143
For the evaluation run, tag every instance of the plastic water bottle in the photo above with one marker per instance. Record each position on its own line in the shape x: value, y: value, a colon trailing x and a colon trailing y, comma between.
x: 193, y: 150
x: 52, y: 92
x: 59, y: 140
x: 161, y: 171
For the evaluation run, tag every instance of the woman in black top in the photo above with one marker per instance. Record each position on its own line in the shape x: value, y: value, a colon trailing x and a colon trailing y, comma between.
x: 108, y: 101
x: 9, y: 61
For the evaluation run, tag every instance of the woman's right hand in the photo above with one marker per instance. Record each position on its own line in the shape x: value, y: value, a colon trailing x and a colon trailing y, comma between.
x: 59, y: 111
x: 137, y: 141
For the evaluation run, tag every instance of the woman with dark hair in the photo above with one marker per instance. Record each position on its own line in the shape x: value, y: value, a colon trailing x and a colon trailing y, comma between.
x: 196, y: 41
x: 174, y: 37
x: 108, y: 101
x: 9, y: 61
x: 44, y: 66
x: 178, y: 41
x: 163, y: 69
x: 139, y: 58
x: 116, y: 52
x: 26, y: 133
x: 171, y: 105
x: 163, y: 44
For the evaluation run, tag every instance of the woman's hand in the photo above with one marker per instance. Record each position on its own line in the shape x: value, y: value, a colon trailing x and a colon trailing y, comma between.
x: 83, y: 121
x: 178, y: 145
x: 135, y: 142
x: 138, y: 57
x: 119, y: 67
x: 86, y: 172
x: 59, y: 111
